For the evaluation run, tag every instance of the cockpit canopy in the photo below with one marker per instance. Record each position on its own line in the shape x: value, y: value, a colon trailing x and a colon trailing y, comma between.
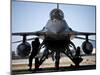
x: 56, y: 14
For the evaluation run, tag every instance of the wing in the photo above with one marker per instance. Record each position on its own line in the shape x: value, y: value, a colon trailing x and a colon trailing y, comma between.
x: 22, y: 40
x: 79, y: 33
x: 85, y: 33
x: 38, y: 33
x: 84, y: 38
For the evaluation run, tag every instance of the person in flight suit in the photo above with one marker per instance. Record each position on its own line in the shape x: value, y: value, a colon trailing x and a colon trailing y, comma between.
x: 35, y: 50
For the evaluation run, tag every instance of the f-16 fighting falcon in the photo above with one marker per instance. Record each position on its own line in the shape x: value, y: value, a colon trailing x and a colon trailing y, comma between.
x: 57, y: 38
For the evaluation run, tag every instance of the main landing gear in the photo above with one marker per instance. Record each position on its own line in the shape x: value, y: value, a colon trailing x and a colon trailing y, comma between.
x: 71, y: 51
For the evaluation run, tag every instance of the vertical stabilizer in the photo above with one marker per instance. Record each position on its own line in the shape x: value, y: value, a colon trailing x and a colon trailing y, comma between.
x: 57, y: 5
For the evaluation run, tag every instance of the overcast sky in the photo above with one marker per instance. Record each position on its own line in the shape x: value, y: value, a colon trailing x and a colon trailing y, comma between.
x: 32, y: 16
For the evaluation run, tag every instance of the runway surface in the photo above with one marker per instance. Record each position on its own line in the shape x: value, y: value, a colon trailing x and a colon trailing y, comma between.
x: 21, y: 65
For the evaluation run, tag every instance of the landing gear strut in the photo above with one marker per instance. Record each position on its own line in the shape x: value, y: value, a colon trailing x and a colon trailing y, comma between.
x: 57, y: 58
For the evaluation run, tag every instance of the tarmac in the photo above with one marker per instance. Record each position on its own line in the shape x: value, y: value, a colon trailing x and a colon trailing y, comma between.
x: 20, y: 66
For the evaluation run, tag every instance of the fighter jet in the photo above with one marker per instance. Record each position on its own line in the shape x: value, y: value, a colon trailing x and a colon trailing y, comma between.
x: 57, y: 38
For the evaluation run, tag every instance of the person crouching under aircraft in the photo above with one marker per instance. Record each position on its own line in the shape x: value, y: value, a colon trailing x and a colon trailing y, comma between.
x: 35, y: 50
